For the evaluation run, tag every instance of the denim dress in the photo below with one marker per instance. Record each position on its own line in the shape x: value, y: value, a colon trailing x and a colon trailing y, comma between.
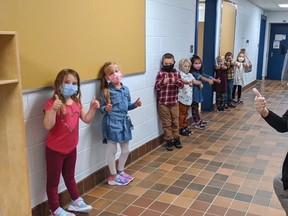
x: 116, y: 124
x: 197, y: 91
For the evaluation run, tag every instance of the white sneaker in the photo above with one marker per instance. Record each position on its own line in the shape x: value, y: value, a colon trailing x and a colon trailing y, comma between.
x: 61, y: 212
x: 79, y: 205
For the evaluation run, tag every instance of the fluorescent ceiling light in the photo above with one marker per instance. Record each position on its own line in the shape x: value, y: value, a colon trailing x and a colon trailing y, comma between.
x: 283, y: 5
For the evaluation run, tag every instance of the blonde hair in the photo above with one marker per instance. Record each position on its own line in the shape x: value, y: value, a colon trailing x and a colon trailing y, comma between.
x: 104, y: 82
x: 182, y: 61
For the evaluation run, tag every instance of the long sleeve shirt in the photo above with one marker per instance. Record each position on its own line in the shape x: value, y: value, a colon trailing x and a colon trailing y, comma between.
x: 281, y: 125
x: 167, y: 94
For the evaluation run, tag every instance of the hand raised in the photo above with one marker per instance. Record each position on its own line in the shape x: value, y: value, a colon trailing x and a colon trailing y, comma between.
x: 108, y: 107
x: 94, y: 103
x: 57, y: 104
x: 138, y: 102
x: 259, y: 103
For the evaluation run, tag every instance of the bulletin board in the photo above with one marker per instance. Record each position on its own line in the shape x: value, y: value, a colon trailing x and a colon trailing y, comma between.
x: 81, y: 35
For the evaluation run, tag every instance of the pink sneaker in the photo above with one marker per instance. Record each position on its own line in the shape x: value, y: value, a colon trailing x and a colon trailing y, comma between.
x: 117, y: 180
x: 125, y: 175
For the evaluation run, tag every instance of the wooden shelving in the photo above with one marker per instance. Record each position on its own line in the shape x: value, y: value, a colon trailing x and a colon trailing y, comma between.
x: 14, y: 181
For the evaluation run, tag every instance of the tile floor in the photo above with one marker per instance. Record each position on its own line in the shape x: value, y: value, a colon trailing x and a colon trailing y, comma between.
x: 226, y: 169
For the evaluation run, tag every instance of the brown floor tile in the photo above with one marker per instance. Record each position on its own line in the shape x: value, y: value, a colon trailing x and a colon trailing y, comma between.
x: 226, y: 169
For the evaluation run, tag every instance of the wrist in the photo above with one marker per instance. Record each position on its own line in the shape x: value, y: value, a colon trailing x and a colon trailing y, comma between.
x: 264, y: 113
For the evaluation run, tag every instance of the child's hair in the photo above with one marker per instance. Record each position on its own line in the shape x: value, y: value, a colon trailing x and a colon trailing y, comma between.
x: 59, y: 81
x: 182, y: 61
x: 196, y: 58
x: 167, y: 56
x: 104, y: 82
x: 228, y: 54
x: 218, y: 57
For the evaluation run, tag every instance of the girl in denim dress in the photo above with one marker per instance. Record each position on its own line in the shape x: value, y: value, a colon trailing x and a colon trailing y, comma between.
x: 116, y: 124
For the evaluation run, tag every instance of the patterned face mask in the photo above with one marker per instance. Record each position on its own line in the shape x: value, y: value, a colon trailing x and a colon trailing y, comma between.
x: 116, y: 77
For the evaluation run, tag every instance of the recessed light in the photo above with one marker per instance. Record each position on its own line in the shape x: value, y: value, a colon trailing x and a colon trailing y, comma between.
x: 283, y: 5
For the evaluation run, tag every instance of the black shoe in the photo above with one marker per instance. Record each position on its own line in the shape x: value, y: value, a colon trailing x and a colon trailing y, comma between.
x: 184, y: 132
x: 177, y: 143
x: 170, y: 145
x: 190, y: 132
x: 232, y: 105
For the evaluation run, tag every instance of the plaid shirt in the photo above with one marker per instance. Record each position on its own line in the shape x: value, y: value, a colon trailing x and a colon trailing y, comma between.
x: 230, y: 69
x: 167, y: 94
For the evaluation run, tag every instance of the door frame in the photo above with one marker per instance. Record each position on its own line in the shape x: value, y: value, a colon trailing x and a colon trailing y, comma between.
x: 261, y: 48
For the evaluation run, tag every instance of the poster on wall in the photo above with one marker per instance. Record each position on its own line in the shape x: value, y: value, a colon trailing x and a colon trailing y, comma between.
x: 276, y: 44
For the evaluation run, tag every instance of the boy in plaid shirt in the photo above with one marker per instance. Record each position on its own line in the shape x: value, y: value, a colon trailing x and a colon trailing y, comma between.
x: 168, y: 81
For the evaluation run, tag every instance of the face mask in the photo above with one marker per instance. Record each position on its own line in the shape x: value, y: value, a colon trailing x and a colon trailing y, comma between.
x: 116, y: 77
x: 221, y: 63
x: 168, y: 68
x: 68, y: 90
x: 197, y: 66
x: 240, y: 59
x: 185, y: 69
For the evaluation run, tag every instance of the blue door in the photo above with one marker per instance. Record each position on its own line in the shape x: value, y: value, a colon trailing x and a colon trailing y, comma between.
x: 278, y: 46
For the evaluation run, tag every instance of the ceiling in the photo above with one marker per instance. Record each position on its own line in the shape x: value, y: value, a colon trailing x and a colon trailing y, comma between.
x: 270, y: 5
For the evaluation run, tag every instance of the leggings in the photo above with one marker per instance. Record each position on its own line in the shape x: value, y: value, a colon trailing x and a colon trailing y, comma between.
x: 239, y: 90
x: 111, y: 156
x: 57, y: 163
x: 195, y: 112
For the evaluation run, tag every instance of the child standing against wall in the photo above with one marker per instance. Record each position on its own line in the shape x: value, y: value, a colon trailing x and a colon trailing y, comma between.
x: 62, y: 114
x: 185, y: 95
x: 116, y: 124
x: 168, y: 81
x: 230, y: 63
x: 239, y: 69
x: 220, y: 88
x: 197, y: 72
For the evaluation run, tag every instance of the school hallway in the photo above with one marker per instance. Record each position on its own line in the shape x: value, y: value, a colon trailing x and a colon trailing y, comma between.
x: 226, y: 169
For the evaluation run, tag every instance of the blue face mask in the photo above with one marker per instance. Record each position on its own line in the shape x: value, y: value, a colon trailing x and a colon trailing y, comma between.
x: 68, y: 90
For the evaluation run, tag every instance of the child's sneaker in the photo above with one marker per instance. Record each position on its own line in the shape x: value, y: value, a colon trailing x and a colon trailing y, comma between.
x: 170, y: 144
x: 125, y: 175
x: 117, y: 180
x: 190, y: 132
x: 184, y: 132
x: 61, y: 212
x: 177, y: 143
x: 79, y: 205
x: 200, y: 126
x: 239, y: 101
x: 203, y: 122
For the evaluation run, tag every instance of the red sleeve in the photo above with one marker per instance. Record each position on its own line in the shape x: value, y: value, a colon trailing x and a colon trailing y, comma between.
x: 48, y: 104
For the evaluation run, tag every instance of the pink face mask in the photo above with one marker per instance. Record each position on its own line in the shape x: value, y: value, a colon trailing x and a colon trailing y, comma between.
x: 116, y: 77
x: 197, y: 66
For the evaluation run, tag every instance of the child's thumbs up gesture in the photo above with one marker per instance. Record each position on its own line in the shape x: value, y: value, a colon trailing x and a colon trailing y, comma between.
x: 57, y: 104
x: 138, y: 102
x: 260, y: 103
x: 94, y: 103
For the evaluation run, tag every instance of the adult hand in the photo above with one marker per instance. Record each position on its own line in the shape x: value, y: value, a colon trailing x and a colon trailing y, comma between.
x: 260, y: 103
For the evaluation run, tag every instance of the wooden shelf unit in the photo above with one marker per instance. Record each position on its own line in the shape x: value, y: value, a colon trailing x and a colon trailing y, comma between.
x: 14, y: 181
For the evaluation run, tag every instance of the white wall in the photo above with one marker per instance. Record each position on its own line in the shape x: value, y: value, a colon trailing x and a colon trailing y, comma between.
x: 170, y: 26
x: 272, y: 17
x: 248, y: 28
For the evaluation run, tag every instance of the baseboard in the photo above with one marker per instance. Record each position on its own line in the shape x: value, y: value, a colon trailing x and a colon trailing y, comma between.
x: 98, y: 177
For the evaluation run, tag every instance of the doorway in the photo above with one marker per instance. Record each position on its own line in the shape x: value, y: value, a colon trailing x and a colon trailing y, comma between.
x: 278, y: 46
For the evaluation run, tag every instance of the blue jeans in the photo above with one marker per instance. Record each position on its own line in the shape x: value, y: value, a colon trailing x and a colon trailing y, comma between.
x: 229, y: 91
